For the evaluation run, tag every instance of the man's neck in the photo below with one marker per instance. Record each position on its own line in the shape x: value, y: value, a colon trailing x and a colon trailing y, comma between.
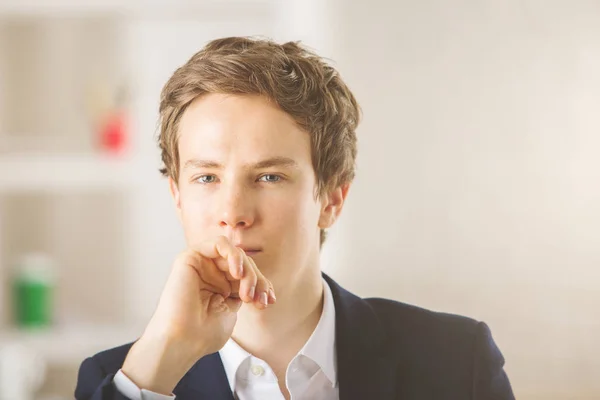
x: 278, y: 333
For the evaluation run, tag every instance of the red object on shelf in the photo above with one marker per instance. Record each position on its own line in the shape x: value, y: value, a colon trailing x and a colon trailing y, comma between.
x: 114, y: 133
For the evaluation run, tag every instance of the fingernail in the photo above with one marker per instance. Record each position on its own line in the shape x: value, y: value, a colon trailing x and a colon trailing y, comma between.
x: 251, y: 292
x: 272, y: 295
x: 241, y: 269
x: 263, y: 298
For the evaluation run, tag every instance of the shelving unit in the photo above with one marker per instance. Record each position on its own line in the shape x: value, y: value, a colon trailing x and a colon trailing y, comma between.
x: 83, y: 339
x: 55, y: 173
x: 105, y: 219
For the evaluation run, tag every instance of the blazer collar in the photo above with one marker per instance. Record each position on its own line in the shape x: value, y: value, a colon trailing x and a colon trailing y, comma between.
x: 364, y: 371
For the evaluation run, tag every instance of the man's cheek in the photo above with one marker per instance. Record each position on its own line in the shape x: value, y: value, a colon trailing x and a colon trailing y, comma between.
x: 287, y: 225
x: 195, y: 223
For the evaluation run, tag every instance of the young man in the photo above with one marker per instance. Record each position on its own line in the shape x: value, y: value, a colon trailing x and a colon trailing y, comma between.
x: 258, y: 144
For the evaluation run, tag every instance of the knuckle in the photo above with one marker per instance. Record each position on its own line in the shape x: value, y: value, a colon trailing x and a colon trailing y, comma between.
x: 220, y: 242
x: 239, y: 254
x: 185, y: 257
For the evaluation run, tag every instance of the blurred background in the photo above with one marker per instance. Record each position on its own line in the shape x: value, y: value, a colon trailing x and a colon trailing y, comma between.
x: 478, y: 186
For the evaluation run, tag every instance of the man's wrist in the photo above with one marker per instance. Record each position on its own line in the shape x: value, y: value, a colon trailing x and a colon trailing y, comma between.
x: 157, y: 364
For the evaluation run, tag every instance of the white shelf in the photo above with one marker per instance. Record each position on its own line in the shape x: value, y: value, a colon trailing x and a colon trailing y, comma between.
x: 71, y: 345
x: 42, y: 172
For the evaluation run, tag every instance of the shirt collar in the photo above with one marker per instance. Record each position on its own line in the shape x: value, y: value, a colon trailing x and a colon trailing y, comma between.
x: 232, y: 356
x: 320, y: 346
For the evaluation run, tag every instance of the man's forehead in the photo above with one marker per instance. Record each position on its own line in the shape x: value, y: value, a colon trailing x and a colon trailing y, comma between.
x: 225, y: 110
x: 246, y: 140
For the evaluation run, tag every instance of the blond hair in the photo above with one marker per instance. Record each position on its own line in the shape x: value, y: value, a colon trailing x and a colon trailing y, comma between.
x: 300, y: 82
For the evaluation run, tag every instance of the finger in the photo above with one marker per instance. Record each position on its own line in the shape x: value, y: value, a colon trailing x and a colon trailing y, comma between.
x: 261, y: 298
x: 212, y: 278
x: 234, y: 304
x: 272, y: 298
x: 265, y: 294
x: 235, y: 288
x: 221, y: 247
x: 247, y: 289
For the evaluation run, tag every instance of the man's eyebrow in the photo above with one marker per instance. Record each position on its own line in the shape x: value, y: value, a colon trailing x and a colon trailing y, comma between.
x: 268, y: 163
x: 275, y: 162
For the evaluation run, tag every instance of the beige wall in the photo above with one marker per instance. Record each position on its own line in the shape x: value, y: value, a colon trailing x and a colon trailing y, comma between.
x: 478, y: 190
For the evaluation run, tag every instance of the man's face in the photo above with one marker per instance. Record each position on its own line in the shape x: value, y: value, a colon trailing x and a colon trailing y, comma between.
x: 246, y: 173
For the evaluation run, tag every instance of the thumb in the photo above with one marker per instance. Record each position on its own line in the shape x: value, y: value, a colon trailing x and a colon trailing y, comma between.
x: 233, y: 303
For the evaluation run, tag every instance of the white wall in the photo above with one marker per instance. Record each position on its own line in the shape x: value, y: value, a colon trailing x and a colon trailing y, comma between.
x: 478, y: 190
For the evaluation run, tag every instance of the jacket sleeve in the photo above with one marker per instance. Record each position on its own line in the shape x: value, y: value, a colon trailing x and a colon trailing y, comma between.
x: 93, y: 383
x: 490, y: 382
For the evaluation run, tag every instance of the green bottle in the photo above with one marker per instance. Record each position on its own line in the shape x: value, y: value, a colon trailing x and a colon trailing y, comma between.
x: 33, y: 285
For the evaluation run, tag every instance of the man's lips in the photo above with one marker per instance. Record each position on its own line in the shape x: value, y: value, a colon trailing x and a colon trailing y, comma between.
x: 250, y: 250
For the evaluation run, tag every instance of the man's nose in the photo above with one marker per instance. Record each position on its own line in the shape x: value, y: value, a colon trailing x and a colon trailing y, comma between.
x: 236, y: 208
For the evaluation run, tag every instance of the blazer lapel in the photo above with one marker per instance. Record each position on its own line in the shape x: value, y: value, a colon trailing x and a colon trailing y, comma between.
x: 205, y: 380
x: 364, y: 371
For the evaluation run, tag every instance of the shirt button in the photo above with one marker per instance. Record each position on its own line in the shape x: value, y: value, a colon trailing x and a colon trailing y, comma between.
x: 257, y: 370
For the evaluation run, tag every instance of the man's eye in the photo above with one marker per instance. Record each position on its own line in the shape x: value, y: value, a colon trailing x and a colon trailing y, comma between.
x: 270, y: 178
x: 205, y: 179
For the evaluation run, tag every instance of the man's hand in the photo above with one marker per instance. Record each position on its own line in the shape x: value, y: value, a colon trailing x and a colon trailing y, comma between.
x: 196, y: 313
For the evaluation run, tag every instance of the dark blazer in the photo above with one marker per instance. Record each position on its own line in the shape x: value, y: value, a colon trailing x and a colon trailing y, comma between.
x: 385, y: 350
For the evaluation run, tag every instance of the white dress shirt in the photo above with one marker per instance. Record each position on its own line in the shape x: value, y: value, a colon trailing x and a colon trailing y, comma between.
x: 312, y: 373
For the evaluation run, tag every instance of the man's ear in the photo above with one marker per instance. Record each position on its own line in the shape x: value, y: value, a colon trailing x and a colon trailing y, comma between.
x: 331, y: 205
x: 174, y: 189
